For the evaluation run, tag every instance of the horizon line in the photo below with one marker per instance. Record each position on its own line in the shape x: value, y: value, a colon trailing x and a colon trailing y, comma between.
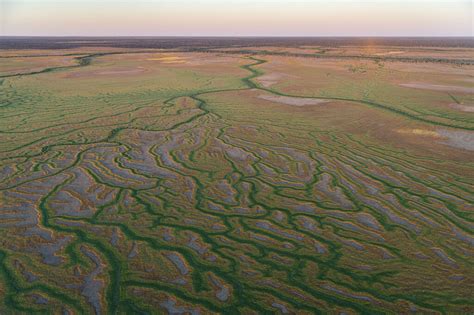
x: 245, y: 36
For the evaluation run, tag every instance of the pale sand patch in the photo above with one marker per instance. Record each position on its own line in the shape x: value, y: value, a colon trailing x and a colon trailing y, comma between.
x: 436, y: 87
x: 463, y: 108
x: 294, y: 101
x: 168, y: 59
x: 269, y: 79
x: 395, y: 52
x: 420, y: 132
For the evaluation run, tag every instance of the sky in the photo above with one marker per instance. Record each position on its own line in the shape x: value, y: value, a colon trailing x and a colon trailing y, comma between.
x: 236, y: 18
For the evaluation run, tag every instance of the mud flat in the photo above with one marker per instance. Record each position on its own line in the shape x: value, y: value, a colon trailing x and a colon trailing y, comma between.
x: 179, y: 262
x: 267, y: 80
x: 92, y: 287
x: 438, y: 87
x: 458, y: 139
x: 293, y: 101
x: 462, y: 107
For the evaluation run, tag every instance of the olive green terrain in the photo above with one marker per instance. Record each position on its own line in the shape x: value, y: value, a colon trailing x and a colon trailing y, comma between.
x: 160, y: 182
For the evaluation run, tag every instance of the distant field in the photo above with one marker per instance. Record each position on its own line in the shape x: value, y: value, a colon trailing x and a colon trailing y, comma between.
x: 226, y: 177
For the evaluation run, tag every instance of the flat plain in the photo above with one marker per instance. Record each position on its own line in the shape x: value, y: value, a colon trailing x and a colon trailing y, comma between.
x: 239, y: 178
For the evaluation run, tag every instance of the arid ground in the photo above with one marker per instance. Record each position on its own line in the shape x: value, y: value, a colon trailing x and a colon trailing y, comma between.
x: 240, y: 178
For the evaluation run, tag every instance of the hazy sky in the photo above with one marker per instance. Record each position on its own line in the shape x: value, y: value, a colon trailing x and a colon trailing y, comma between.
x: 237, y: 17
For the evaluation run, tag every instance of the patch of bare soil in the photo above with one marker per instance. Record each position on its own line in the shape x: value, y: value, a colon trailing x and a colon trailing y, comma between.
x: 462, y: 107
x: 294, y: 101
x: 437, y: 87
x: 270, y: 79
x: 388, y: 53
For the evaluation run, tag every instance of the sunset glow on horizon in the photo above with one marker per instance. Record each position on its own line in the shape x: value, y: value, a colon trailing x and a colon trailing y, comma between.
x: 236, y: 18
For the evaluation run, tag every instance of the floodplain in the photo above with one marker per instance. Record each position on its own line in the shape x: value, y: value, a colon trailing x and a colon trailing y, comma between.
x: 237, y: 179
